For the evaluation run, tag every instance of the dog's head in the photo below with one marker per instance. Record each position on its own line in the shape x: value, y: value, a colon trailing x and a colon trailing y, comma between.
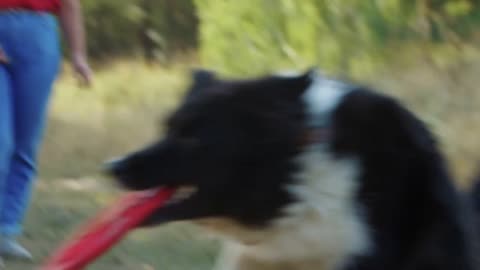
x: 232, y: 142
x: 236, y: 143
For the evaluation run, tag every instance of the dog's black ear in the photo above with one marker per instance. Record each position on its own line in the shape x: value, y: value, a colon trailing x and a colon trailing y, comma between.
x: 284, y: 87
x: 202, y: 78
x: 292, y: 87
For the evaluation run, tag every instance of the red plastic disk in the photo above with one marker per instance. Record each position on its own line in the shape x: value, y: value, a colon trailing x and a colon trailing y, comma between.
x: 106, y: 229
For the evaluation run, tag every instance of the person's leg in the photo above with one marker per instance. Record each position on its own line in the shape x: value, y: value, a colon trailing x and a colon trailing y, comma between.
x: 6, y: 131
x: 33, y: 70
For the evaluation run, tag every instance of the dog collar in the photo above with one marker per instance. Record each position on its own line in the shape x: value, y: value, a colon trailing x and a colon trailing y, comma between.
x: 315, y: 135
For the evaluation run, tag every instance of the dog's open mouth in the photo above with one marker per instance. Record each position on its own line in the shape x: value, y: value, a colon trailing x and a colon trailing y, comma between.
x: 186, y: 203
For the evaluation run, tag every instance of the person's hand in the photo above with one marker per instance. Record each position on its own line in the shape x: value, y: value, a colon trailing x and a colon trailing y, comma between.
x: 82, y: 69
x: 3, y: 57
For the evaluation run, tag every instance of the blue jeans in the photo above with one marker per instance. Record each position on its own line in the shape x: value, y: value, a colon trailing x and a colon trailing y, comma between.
x: 30, y: 41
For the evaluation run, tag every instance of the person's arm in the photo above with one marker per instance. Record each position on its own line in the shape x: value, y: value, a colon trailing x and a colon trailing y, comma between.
x: 71, y: 20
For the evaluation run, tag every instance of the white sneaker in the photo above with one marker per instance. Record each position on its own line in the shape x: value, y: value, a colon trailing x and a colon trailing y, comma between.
x: 11, y: 248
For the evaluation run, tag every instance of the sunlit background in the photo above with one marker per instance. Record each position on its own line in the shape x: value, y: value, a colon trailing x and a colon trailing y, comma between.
x: 425, y: 52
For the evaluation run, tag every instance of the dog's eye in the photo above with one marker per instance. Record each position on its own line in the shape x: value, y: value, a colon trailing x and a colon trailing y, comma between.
x: 185, y: 135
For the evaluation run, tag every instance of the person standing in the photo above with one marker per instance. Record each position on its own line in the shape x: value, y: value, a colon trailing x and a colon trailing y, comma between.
x: 30, y: 56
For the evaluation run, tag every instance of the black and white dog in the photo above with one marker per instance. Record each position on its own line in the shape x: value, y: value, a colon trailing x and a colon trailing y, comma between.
x: 303, y: 172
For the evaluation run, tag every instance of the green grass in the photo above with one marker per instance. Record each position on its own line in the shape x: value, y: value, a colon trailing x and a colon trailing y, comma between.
x: 124, y: 110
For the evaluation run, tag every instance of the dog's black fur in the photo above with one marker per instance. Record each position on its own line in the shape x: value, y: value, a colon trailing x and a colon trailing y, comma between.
x: 414, y: 210
x: 213, y: 136
x: 237, y: 142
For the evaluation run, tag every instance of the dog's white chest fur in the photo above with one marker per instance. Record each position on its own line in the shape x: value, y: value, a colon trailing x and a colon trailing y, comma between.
x: 321, y: 231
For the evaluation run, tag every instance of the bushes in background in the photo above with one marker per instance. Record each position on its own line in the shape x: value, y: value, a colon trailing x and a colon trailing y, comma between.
x: 352, y: 36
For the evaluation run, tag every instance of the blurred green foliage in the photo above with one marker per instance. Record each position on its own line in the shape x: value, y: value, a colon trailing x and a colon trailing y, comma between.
x: 154, y: 28
x: 252, y: 36
x: 351, y: 36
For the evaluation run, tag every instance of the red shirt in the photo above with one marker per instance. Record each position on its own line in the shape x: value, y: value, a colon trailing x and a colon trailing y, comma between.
x: 37, y: 5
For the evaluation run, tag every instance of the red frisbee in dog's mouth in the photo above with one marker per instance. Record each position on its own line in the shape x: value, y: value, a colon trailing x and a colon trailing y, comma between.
x: 107, y: 228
